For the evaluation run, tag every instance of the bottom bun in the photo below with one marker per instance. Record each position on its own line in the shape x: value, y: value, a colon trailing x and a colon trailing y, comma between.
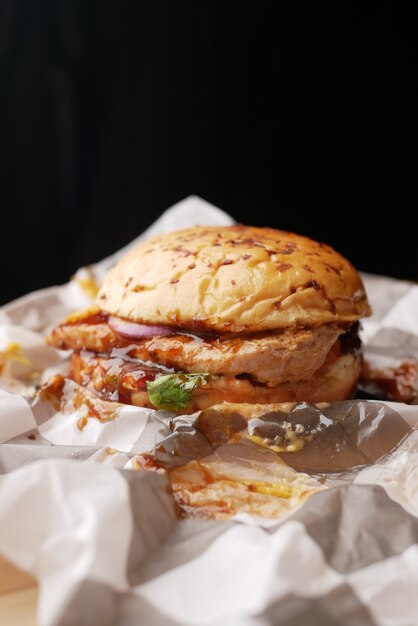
x: 335, y: 380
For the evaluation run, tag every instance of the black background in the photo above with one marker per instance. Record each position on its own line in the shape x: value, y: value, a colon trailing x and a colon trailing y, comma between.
x: 299, y: 117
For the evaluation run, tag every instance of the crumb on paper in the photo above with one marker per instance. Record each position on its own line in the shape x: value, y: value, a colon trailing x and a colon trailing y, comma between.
x: 85, y: 279
x: 13, y: 352
x: 200, y: 492
x: 398, y: 382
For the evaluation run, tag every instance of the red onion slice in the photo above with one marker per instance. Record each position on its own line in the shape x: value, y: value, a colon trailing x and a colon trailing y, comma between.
x: 132, y: 330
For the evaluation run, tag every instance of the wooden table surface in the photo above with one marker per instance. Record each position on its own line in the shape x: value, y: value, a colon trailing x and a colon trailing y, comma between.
x: 18, y: 596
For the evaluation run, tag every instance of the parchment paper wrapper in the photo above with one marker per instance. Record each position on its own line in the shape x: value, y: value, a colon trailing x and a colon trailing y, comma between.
x: 113, y: 519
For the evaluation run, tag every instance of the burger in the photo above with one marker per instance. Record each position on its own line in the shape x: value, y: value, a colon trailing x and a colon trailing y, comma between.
x: 206, y: 315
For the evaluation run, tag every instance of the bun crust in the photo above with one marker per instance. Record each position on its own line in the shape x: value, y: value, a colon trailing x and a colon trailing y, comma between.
x: 234, y: 279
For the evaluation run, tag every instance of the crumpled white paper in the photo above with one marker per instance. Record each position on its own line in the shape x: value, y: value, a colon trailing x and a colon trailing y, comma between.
x: 105, y: 543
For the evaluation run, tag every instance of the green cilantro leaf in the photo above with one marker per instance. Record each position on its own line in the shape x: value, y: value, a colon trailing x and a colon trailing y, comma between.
x: 174, y: 391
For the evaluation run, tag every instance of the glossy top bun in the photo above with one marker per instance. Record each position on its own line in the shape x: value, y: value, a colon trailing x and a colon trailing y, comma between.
x: 234, y: 279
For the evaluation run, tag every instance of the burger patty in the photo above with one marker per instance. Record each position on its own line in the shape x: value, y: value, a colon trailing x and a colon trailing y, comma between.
x: 289, y: 355
x: 114, y: 378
